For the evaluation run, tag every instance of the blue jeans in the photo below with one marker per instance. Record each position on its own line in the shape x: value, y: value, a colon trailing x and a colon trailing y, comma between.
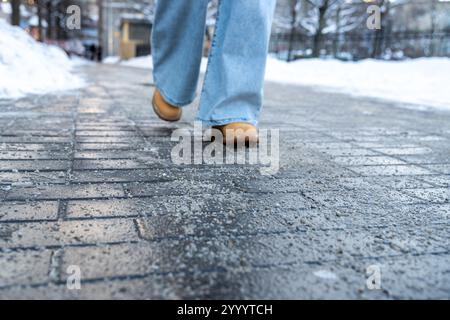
x: 233, y: 85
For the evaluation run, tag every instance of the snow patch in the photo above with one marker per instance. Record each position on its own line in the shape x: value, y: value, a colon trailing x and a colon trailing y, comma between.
x: 139, y: 62
x: 111, y: 60
x: 326, y: 274
x: 422, y: 82
x: 30, y: 67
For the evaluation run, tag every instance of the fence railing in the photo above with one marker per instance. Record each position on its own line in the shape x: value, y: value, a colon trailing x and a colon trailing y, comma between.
x: 356, y: 46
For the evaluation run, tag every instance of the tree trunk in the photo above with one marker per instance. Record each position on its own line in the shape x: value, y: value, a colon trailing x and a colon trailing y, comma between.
x: 15, y: 15
x: 338, y: 32
x: 49, y: 20
x: 433, y: 16
x: 293, y: 32
x: 378, y: 40
x: 100, y: 31
x: 319, y: 32
x: 39, y: 14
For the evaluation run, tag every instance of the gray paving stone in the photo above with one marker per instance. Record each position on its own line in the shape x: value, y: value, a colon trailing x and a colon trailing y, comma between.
x: 404, y: 151
x: 30, y: 235
x: 361, y: 161
x: 439, y: 168
x: 33, y: 165
x: 174, y: 188
x: 56, y: 192
x: 33, y: 147
x: 94, y: 139
x: 438, y: 181
x: 31, y: 139
x: 431, y: 195
x: 40, y: 210
x: 350, y: 152
x: 407, y: 277
x: 86, y: 179
x: 252, y: 251
x: 104, y: 146
x: 122, y: 164
x: 33, y: 178
x: 24, y: 268
x: 392, y: 170
x: 96, y: 155
x: 33, y: 155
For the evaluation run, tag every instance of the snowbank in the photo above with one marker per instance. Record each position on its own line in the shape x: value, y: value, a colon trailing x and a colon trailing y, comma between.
x: 27, y: 66
x: 111, y: 60
x: 421, y: 81
x: 139, y: 62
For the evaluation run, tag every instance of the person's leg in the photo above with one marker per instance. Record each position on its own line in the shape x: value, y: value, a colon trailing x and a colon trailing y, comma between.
x: 233, y: 87
x: 177, y: 43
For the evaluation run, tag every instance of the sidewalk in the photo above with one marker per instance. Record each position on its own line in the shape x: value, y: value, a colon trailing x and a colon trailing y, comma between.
x: 86, y: 180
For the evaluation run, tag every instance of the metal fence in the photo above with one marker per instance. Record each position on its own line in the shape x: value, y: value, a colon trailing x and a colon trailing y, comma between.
x: 356, y: 46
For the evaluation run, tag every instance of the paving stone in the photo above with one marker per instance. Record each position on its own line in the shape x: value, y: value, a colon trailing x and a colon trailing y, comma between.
x: 135, y: 206
x: 350, y: 152
x: 174, y: 188
x: 32, y: 178
x: 96, y: 155
x: 94, y: 139
x: 250, y: 251
x: 24, y: 268
x: 210, y: 224
x: 33, y: 155
x: 394, y: 170
x: 406, y: 277
x: 404, y: 151
x: 34, y: 147
x: 404, y: 182
x: 103, y: 133
x: 331, y: 199
x: 105, y: 146
x: 431, y: 195
x: 56, y: 192
x: 40, y: 210
x: 86, y: 179
x: 30, y: 235
x: 442, y: 169
x: 438, y: 181
x: 122, y: 164
x: 361, y: 161
x: 427, y: 159
x: 34, y: 165
x: 32, y: 139
x: 132, y: 175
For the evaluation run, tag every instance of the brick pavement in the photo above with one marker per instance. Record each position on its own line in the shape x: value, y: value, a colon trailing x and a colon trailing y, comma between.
x: 86, y: 180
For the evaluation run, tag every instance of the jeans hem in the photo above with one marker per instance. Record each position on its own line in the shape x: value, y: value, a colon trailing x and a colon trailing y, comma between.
x: 170, y: 100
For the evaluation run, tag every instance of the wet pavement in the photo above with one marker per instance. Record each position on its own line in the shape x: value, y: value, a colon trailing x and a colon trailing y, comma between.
x: 87, y: 184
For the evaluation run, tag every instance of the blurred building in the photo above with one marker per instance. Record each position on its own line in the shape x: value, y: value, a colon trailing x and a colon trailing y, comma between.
x: 125, y: 27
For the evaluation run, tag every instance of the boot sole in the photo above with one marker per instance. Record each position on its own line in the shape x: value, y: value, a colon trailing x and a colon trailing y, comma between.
x: 156, y: 110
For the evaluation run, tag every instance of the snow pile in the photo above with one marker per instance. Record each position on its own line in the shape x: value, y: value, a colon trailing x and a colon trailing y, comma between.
x: 30, y: 67
x: 420, y: 81
x: 139, y: 62
x: 111, y: 60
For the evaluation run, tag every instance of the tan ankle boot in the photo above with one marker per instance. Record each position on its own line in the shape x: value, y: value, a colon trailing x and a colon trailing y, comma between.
x: 239, y: 131
x: 164, y: 110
